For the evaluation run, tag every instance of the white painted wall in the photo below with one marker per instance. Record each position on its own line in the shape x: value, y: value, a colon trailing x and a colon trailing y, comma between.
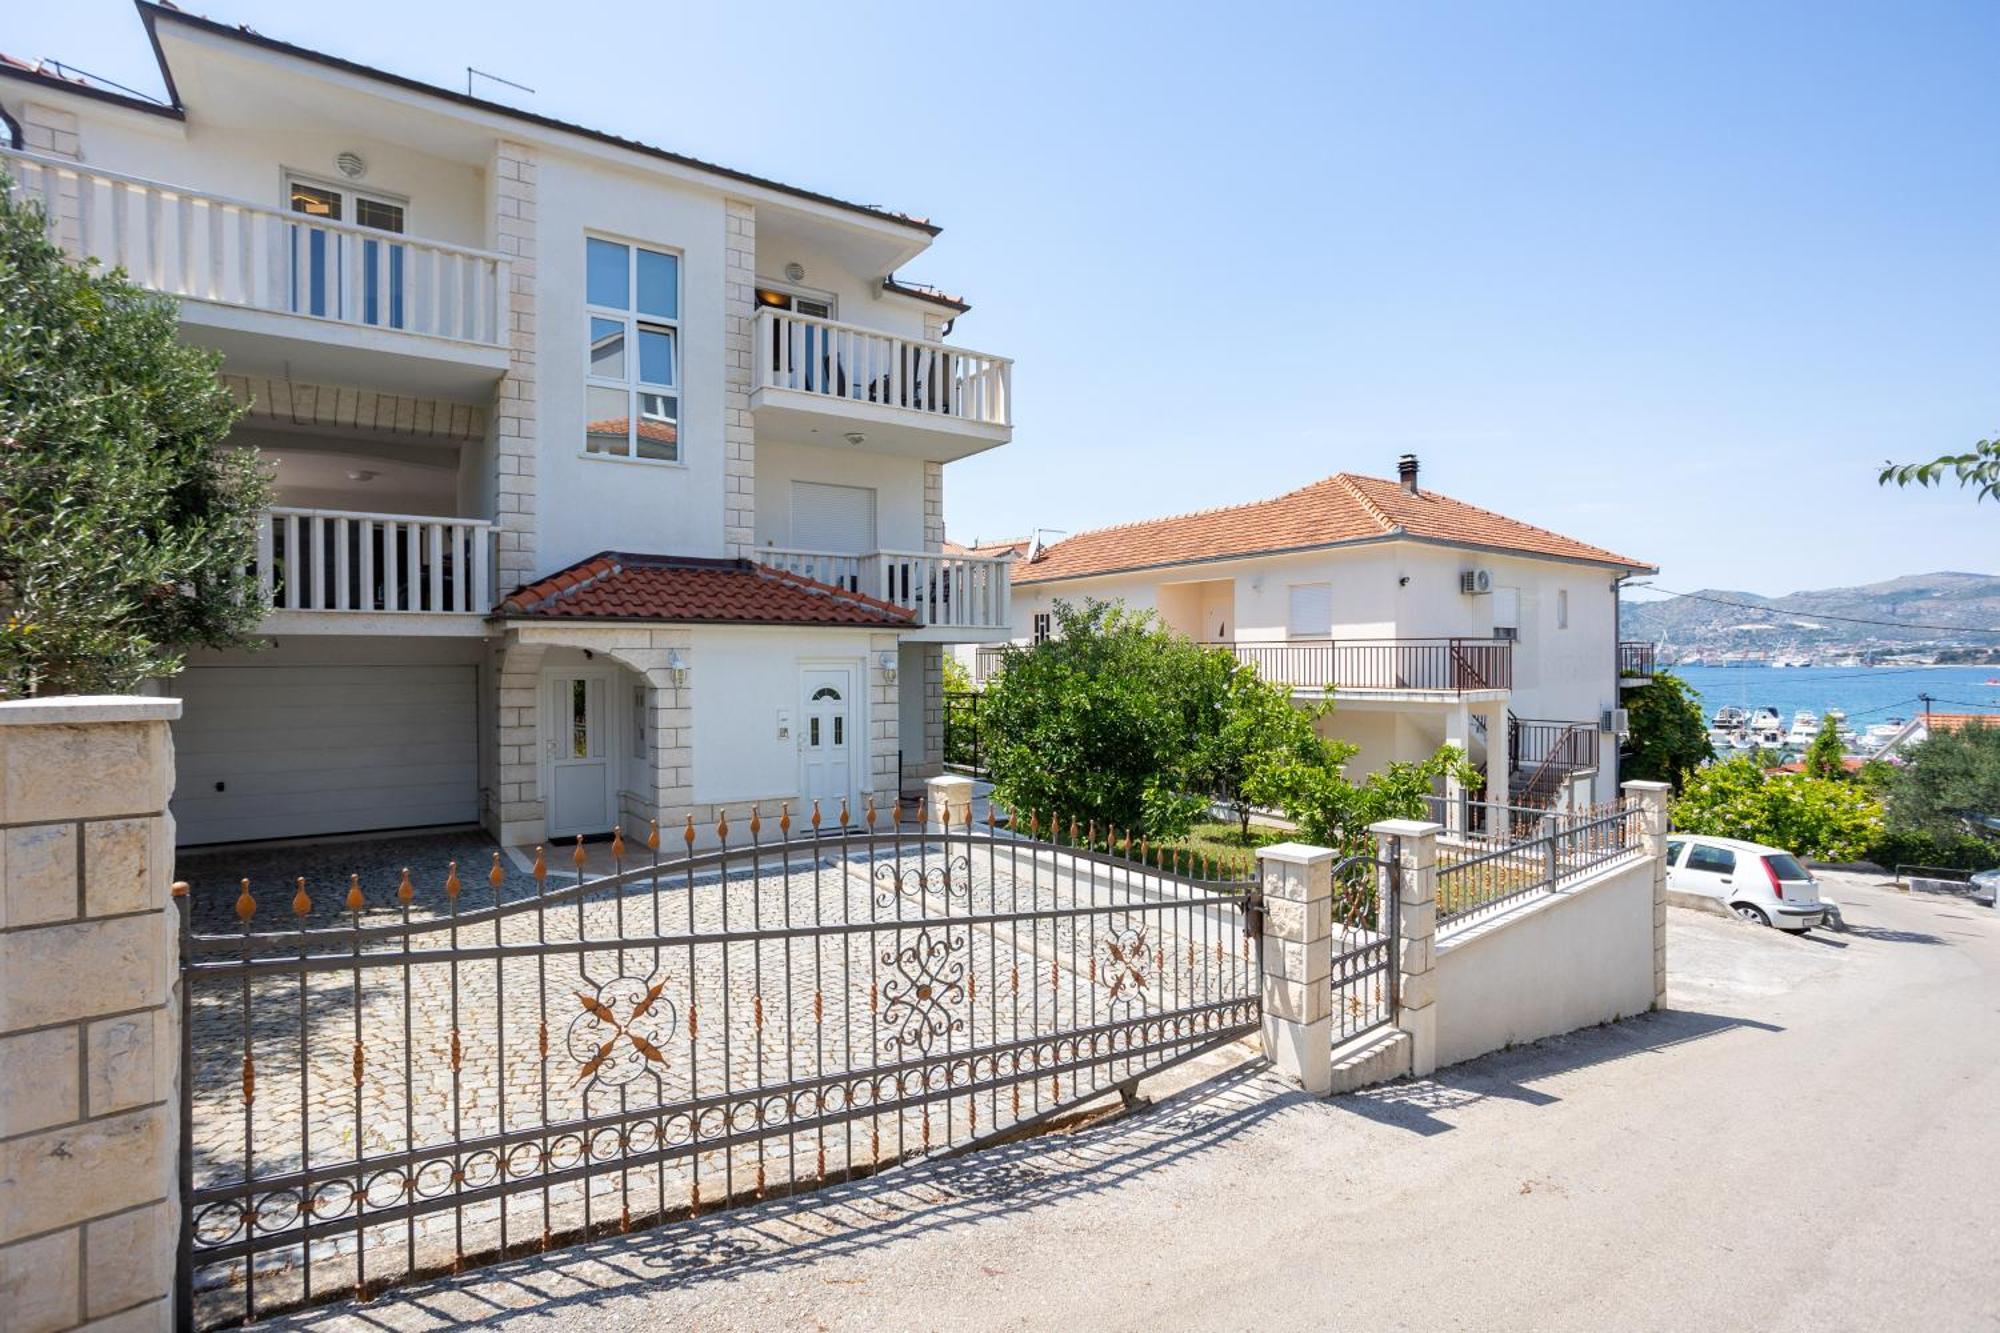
x: 742, y: 676
x: 898, y: 484
x: 1561, y: 962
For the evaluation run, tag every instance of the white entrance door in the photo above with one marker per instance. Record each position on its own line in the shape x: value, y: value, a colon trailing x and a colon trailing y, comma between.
x: 825, y: 738
x: 578, y: 750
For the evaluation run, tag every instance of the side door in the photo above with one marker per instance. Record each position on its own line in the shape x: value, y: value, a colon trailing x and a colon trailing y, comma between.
x: 1708, y: 870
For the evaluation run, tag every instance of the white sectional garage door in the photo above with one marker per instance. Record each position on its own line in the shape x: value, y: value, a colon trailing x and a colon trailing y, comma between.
x: 294, y: 751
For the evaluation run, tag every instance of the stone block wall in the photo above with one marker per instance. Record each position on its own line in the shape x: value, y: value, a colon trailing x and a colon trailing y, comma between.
x: 89, y: 1032
x: 516, y: 421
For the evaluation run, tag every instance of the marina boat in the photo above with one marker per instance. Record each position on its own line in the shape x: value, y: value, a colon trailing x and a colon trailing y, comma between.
x: 1731, y: 718
x: 1766, y: 719
x: 1805, y: 727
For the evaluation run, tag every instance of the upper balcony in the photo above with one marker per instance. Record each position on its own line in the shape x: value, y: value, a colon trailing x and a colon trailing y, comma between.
x: 1394, y: 669
x: 288, y: 293
x: 893, y: 394
x: 1636, y: 663
x: 957, y: 598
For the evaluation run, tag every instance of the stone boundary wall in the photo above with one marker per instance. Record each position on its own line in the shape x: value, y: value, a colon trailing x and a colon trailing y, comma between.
x: 89, y: 1034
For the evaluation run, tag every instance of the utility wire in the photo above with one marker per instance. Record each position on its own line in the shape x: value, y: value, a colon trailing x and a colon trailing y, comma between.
x: 1816, y: 615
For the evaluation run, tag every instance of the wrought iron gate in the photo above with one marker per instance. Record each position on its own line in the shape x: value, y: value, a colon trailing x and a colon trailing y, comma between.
x: 1365, y: 937
x: 388, y: 1079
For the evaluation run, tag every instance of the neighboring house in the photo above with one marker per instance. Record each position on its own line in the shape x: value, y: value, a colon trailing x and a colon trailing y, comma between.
x: 609, y: 481
x: 1423, y: 618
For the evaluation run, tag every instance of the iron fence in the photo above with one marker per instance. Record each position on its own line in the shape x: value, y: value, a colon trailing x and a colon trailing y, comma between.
x: 1479, y: 873
x: 1637, y: 661
x: 388, y: 1080
x: 1365, y: 934
x: 1452, y: 665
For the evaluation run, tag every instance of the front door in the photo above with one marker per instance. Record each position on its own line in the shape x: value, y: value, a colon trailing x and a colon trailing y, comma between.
x: 825, y: 738
x: 578, y: 751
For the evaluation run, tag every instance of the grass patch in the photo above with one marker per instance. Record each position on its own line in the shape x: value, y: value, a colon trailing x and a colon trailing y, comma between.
x: 1223, y: 844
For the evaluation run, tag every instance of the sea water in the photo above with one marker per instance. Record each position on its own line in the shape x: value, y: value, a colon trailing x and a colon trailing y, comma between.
x: 1868, y: 694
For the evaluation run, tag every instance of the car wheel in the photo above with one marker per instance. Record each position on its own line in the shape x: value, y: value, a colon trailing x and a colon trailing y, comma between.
x: 1752, y: 914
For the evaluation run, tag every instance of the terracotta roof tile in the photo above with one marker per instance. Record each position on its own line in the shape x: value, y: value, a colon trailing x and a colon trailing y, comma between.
x: 615, y: 585
x: 1342, y: 508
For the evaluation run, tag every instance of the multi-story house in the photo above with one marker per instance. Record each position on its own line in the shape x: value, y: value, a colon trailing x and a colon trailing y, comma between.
x: 1424, y: 619
x: 609, y: 482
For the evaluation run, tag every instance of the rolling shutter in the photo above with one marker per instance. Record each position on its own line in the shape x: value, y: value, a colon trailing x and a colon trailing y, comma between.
x: 837, y: 519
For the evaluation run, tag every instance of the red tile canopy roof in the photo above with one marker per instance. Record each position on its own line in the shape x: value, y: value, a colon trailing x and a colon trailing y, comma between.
x: 1342, y: 508
x: 614, y: 585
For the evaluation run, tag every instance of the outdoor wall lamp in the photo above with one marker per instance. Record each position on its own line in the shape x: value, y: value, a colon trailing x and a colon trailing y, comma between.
x: 887, y: 661
x: 677, y: 667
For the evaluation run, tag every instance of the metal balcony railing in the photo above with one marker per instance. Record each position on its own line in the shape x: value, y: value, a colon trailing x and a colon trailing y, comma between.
x: 1450, y: 665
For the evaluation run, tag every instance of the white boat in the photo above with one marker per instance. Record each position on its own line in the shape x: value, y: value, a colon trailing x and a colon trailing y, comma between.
x: 1731, y: 718
x: 1805, y: 728
x: 1766, y: 719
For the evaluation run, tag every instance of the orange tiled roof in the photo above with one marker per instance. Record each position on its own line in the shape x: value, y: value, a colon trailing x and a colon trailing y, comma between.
x: 1942, y: 722
x: 1017, y: 546
x: 614, y: 585
x: 1342, y: 508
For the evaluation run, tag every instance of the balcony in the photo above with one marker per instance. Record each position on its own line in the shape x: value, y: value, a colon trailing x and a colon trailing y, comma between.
x: 336, y: 572
x: 957, y: 598
x: 1384, y: 667
x: 1636, y: 662
x: 281, y: 293
x: 819, y: 381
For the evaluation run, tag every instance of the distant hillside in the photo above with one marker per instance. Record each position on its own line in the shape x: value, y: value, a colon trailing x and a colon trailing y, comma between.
x: 1957, y: 600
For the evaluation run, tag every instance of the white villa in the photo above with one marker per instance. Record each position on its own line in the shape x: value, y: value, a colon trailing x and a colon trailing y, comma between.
x: 1426, y: 620
x: 609, y: 481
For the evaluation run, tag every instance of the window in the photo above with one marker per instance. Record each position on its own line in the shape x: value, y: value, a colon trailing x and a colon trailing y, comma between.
x: 1041, y: 627
x: 814, y: 306
x: 1309, y: 611
x: 1562, y: 608
x: 638, y: 721
x: 1674, y: 846
x: 632, y: 406
x: 1715, y: 860
x: 319, y: 286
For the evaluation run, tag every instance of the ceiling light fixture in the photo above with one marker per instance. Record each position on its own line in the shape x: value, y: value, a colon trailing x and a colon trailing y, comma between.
x: 856, y: 438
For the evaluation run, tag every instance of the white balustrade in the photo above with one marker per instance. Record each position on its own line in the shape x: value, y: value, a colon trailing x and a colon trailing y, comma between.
x: 334, y: 560
x: 955, y: 591
x: 832, y: 360
x: 211, y: 248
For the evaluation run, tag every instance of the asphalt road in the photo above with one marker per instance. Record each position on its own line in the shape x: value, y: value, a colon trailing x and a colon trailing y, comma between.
x: 1807, y: 1137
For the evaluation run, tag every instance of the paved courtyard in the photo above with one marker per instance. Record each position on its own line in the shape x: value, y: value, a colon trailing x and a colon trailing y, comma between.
x: 1801, y: 1140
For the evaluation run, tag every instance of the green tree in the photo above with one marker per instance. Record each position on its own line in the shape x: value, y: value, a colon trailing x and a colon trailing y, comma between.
x: 1104, y: 722
x: 1261, y: 736
x: 957, y: 680
x: 1808, y: 816
x: 1826, y: 756
x: 124, y: 521
x: 1332, y: 811
x: 1978, y: 468
x: 1937, y: 798
x: 1669, y: 735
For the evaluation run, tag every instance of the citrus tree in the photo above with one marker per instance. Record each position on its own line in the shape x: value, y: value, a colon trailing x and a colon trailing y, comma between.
x: 1820, y: 818
x: 125, y: 524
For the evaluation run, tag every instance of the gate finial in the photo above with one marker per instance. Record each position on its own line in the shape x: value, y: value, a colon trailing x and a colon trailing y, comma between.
x: 541, y: 869
x: 577, y: 857
x: 300, y: 903
x: 246, y: 906
x: 404, y: 889
x: 354, y: 899
x: 617, y: 843
x: 451, y: 884
x: 653, y: 835
x: 785, y: 820
x: 496, y: 876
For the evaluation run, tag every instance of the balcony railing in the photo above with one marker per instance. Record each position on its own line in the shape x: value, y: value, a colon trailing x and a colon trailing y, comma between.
x: 333, y: 560
x: 1636, y: 661
x: 843, y: 361
x: 1450, y: 665
x: 210, y: 248
x: 953, y: 591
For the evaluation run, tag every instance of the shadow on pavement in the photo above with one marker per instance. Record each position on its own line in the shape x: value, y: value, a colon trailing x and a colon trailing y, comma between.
x: 1417, y: 1105
x: 1885, y: 935
x: 855, y: 1216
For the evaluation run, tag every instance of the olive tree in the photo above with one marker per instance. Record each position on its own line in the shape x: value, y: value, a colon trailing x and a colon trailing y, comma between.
x: 125, y: 523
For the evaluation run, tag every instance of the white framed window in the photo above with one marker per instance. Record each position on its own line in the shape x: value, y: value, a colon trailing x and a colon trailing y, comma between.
x: 1309, y: 611
x: 320, y: 282
x: 1562, y: 608
x: 632, y: 351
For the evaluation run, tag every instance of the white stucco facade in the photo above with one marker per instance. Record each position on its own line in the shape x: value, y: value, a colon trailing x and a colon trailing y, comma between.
x: 418, y: 366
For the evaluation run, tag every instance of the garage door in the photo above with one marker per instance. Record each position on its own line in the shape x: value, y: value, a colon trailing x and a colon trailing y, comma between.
x: 291, y: 751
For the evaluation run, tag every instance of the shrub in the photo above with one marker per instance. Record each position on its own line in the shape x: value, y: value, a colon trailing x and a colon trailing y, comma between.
x: 1812, y: 817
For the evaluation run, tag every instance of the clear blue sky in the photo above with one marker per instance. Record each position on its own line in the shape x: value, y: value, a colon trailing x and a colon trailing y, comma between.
x: 1670, y: 277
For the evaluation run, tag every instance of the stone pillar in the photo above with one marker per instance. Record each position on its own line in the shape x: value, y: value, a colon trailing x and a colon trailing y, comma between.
x: 1498, y: 793
x: 516, y: 420
x: 1411, y: 845
x: 948, y: 793
x: 1458, y: 734
x: 885, y: 723
x: 739, y: 323
x: 89, y: 1034
x: 1651, y: 798
x: 1298, y: 962
x: 931, y: 761
x: 933, y: 507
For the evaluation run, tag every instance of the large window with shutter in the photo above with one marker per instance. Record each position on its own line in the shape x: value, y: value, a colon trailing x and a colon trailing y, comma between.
x: 1309, y: 611
x: 835, y: 519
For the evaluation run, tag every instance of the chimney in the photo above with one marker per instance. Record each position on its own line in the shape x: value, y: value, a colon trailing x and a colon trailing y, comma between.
x: 1406, y: 472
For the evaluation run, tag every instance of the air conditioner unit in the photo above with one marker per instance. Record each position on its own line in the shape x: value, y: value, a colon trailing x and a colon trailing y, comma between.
x: 1616, y: 721
x: 1473, y: 582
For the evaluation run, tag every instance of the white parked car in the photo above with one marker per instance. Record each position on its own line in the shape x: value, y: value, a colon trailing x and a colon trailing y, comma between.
x: 1758, y: 883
